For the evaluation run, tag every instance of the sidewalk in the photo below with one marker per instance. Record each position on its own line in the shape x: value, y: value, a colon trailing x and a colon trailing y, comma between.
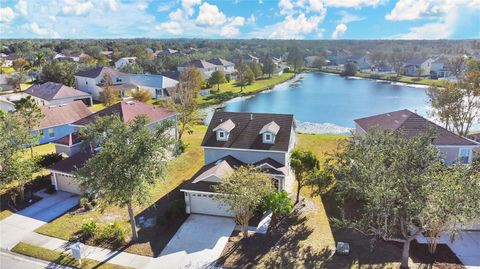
x: 94, y: 253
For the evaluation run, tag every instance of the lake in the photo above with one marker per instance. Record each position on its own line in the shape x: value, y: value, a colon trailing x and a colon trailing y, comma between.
x: 332, y: 102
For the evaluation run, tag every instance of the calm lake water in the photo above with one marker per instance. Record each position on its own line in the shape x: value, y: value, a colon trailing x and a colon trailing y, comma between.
x: 324, y: 98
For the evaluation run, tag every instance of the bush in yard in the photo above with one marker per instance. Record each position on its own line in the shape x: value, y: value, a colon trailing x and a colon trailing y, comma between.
x: 89, y: 229
x: 181, y: 146
x: 279, y: 203
x: 48, y: 159
x: 115, y: 233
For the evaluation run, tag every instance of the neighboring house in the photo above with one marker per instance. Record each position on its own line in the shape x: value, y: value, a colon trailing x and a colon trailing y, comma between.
x: 440, y: 68
x: 62, y: 176
x: 92, y: 81
x: 6, y: 60
x: 6, y: 105
x: 416, y: 65
x: 227, y: 67
x: 4, y: 85
x: 106, y: 53
x: 205, y: 67
x: 57, y: 119
x: 248, y: 58
x: 233, y: 139
x: 124, y: 61
x: 309, y: 60
x: 361, y: 61
x: 452, y: 146
x: 51, y: 93
x: 74, y: 57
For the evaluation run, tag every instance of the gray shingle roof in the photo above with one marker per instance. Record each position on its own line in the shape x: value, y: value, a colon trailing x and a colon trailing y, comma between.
x: 51, y: 91
x: 246, y: 134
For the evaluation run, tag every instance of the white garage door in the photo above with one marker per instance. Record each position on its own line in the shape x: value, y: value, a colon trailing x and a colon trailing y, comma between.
x: 68, y: 184
x: 205, y: 204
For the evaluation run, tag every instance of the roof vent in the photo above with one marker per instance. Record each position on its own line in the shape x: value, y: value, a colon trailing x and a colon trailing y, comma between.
x: 251, y: 116
x: 130, y: 102
x: 388, y: 115
x: 52, y: 106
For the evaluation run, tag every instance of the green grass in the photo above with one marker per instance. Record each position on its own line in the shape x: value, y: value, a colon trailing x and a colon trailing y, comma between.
x: 231, y: 90
x: 404, y: 79
x: 7, y: 70
x: 97, y: 107
x: 64, y: 259
x: 179, y: 169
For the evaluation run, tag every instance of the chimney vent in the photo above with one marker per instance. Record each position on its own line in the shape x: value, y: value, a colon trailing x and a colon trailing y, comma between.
x: 251, y: 116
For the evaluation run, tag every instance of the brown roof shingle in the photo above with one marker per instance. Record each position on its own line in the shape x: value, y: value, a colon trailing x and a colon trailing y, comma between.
x: 69, y: 165
x: 412, y: 124
x: 63, y: 114
x: 246, y: 134
x: 51, y: 91
x: 128, y: 110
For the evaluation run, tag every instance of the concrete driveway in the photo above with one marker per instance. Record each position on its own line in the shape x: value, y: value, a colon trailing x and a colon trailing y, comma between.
x: 197, y: 244
x: 467, y: 248
x: 20, y: 224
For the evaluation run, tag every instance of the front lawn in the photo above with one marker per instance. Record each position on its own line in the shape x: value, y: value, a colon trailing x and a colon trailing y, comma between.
x: 63, y: 259
x: 151, y: 240
x: 231, y: 90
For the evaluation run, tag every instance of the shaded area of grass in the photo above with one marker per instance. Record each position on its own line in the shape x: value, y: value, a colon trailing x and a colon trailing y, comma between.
x: 179, y: 169
x: 64, y: 258
x: 231, y: 90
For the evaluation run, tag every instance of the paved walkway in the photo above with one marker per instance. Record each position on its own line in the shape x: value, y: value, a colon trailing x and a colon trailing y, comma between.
x: 197, y: 244
x: 15, y: 227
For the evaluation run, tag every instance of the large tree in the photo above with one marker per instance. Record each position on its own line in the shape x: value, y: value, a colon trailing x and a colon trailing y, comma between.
x: 192, y: 78
x: 29, y: 115
x: 59, y: 71
x: 302, y: 162
x: 457, y: 105
x: 268, y: 66
x: 457, y: 66
x: 217, y: 77
x: 184, y: 101
x: 295, y: 58
x: 132, y: 159
x: 242, y: 192
x: 395, y: 182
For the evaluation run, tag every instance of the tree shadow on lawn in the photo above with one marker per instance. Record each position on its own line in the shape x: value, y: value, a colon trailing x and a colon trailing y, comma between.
x: 167, y: 221
x: 280, y: 246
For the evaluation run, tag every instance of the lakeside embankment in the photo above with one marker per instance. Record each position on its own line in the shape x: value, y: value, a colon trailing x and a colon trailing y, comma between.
x: 403, y: 80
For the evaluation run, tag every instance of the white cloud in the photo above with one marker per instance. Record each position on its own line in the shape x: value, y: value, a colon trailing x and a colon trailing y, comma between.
x: 348, y: 17
x: 177, y: 15
x: 188, y: 6
x: 142, y: 5
x: 113, y: 4
x: 6, y: 14
x: 22, y: 7
x: 44, y: 32
x: 339, y: 31
x: 316, y: 6
x: 353, y: 3
x: 296, y: 27
x: 286, y: 6
x: 444, y: 28
x: 164, y: 7
x: 231, y: 28
x: 52, y: 18
x: 418, y: 9
x: 75, y: 7
x: 210, y: 15
x: 171, y: 27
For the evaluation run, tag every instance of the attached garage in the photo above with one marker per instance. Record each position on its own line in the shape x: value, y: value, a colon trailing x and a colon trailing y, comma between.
x: 204, y: 203
x: 65, y: 182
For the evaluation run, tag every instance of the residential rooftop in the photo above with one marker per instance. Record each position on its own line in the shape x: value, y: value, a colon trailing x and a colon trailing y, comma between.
x: 52, y: 91
x: 63, y: 114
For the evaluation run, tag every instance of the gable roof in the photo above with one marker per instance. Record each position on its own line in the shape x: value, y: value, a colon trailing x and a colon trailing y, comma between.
x: 70, y: 164
x: 199, y: 64
x: 227, y: 125
x: 220, y: 61
x: 69, y: 140
x: 220, y: 168
x: 246, y: 135
x: 412, y: 124
x: 128, y: 110
x: 416, y: 61
x: 63, y: 114
x: 271, y: 127
x: 95, y: 72
x: 51, y: 91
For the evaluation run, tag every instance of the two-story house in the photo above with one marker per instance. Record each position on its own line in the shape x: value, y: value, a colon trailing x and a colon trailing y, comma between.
x: 418, y: 67
x: 452, y: 146
x: 51, y: 93
x: 124, y: 61
x: 232, y: 140
x: 93, y: 80
x: 62, y: 176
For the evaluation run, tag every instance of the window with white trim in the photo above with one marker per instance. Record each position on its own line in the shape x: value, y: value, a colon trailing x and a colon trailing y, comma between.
x: 464, y: 155
x: 268, y: 138
x: 51, y: 132
x: 222, y: 135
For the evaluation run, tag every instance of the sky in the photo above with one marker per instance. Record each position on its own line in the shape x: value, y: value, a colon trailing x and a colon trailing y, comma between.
x: 225, y: 19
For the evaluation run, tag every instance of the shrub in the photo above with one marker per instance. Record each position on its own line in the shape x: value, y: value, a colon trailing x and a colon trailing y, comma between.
x: 84, y: 201
x: 89, y: 229
x: 114, y: 232
x: 278, y: 202
x: 176, y: 209
x: 181, y: 146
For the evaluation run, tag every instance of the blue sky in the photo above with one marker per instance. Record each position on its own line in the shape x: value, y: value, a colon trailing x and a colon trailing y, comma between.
x: 283, y: 19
